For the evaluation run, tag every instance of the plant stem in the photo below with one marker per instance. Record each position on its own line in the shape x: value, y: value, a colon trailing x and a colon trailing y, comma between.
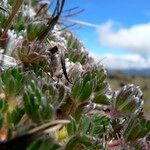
x: 11, y: 17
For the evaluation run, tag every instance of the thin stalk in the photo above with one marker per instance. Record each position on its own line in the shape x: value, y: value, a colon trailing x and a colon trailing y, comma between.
x: 11, y: 17
x: 3, y: 9
x: 80, y: 22
x: 52, y: 21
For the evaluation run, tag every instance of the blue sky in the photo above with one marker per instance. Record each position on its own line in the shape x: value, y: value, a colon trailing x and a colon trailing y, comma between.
x: 122, y: 32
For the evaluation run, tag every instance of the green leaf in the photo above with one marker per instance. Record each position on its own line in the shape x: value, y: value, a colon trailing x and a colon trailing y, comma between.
x: 122, y: 97
x: 36, y: 105
x: 78, y: 112
x: 34, y: 30
x: 5, y: 75
x: 11, y: 87
x: 46, y: 112
x: 1, y: 121
x: 76, y: 88
x: 101, y: 99
x: 72, y: 126
x: 78, y: 140
x: 130, y: 131
x: 86, y: 92
x: 85, y: 124
x: 86, y: 78
x: 30, y: 108
x: 12, y: 81
x: 130, y: 107
x: 100, y: 123
x: 14, y: 72
x: 101, y: 88
x: 102, y: 77
x: 3, y: 106
x: 17, y: 115
x: 145, y: 128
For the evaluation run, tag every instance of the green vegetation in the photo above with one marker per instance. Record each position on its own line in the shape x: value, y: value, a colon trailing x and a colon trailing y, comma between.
x: 53, y: 95
x: 119, y: 79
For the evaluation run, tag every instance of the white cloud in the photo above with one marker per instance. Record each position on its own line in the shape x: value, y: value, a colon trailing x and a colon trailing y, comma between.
x: 135, y: 39
x: 126, y: 61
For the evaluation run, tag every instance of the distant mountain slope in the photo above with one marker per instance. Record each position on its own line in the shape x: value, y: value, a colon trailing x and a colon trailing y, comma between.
x: 136, y: 72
